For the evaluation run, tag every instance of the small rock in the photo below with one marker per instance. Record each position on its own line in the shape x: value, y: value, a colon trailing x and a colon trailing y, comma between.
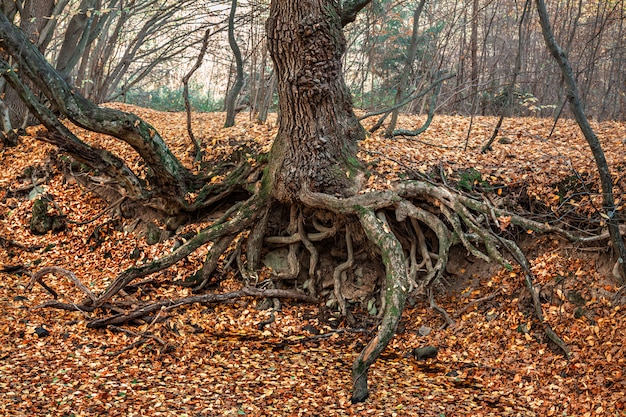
x: 41, y: 332
x: 427, y: 352
x: 135, y: 254
x: 424, y: 330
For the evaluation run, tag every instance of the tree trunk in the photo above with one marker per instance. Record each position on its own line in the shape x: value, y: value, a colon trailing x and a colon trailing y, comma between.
x: 474, y: 52
x: 408, y: 67
x: 606, y: 181
x: 76, y: 38
x: 231, y: 98
x: 316, y: 142
x: 32, y: 20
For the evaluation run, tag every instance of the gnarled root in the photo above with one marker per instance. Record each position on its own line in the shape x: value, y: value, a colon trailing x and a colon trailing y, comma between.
x: 414, y: 248
x: 394, y: 293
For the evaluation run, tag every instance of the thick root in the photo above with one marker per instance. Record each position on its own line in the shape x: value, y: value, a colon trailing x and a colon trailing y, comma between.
x: 394, y: 292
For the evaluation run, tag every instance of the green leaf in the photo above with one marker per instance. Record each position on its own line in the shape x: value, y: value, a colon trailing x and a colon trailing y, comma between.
x: 371, y: 307
x: 34, y: 193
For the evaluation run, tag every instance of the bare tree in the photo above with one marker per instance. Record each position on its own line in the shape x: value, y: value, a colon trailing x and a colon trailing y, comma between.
x: 609, y: 211
x: 231, y: 98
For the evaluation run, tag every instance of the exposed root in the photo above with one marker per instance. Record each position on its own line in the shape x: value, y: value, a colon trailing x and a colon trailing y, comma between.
x: 439, y: 309
x: 340, y: 272
x: 453, y: 218
x: 292, y: 257
x: 255, y: 240
x: 406, y: 209
x: 211, y: 261
x: 314, y: 254
x: 242, y: 219
x: 414, y: 248
x: 426, y: 256
x: 394, y: 293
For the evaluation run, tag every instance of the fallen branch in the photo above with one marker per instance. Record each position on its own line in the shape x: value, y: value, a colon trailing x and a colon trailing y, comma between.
x: 475, y: 302
x: 167, y: 305
x: 38, y: 278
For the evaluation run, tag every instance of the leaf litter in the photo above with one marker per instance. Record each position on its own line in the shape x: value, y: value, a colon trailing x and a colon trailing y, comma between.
x: 214, y: 360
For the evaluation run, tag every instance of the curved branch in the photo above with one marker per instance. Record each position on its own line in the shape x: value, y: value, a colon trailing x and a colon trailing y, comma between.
x: 408, y: 99
x: 60, y: 136
x: 168, y: 171
x: 38, y: 278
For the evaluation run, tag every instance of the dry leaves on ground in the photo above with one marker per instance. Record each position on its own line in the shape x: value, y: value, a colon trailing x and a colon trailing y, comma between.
x: 216, y: 361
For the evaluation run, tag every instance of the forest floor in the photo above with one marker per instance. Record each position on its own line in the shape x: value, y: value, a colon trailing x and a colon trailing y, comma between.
x: 495, y: 361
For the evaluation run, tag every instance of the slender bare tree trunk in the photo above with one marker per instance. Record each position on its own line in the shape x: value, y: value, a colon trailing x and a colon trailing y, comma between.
x: 609, y: 211
x: 192, y: 138
x: 408, y: 66
x: 231, y: 98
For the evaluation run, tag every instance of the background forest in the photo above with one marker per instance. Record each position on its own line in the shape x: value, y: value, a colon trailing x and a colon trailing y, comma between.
x: 139, y: 52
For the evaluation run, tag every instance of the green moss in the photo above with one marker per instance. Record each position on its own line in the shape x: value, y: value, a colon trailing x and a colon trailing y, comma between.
x: 266, y: 183
x: 263, y: 158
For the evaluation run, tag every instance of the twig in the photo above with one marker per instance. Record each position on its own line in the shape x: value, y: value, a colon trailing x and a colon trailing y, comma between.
x: 141, y: 338
x: 26, y: 187
x: 477, y: 301
x: 267, y: 321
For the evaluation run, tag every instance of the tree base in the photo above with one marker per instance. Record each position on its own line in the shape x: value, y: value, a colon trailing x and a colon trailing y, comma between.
x: 399, y: 227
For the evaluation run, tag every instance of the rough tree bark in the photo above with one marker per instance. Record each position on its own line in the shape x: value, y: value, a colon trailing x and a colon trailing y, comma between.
x: 316, y: 142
